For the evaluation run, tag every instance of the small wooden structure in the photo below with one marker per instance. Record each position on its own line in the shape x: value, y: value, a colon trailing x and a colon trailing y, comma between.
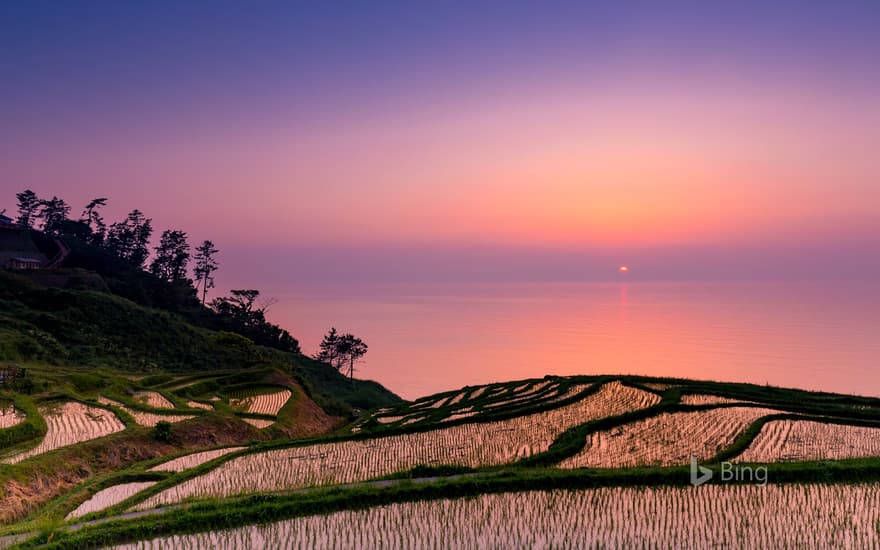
x: 24, y: 262
x: 11, y: 373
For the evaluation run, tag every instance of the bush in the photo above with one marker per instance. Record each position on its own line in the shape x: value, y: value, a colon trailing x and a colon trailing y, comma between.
x: 162, y: 432
x: 87, y: 382
x: 233, y: 341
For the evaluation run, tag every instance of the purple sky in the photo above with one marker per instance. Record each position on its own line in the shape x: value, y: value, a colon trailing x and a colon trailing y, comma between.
x: 394, y: 142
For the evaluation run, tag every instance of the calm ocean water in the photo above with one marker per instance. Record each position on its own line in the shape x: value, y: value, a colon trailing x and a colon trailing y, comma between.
x: 428, y: 338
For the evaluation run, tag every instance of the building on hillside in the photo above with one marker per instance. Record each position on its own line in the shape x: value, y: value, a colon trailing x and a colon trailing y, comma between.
x: 24, y: 262
x: 7, y: 222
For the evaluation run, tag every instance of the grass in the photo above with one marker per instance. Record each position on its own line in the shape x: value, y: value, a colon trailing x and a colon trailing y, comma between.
x: 31, y: 429
x: 87, y: 332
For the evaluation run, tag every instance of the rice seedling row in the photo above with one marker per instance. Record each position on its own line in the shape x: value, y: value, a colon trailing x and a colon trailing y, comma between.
x: 540, y: 393
x: 262, y: 403
x: 9, y: 415
x: 783, y: 440
x: 472, y: 445
x: 153, y: 399
x: 192, y: 460
x: 666, y: 439
x: 704, y: 399
x: 69, y: 423
x: 712, y: 516
x: 143, y: 418
x: 659, y: 386
x: 108, y: 497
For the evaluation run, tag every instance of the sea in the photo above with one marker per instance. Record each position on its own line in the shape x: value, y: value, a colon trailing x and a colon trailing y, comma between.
x: 426, y: 338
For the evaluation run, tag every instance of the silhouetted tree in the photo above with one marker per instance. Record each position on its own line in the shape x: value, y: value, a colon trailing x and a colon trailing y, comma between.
x: 341, y: 352
x: 329, y: 352
x: 54, y: 213
x: 351, y: 349
x: 172, y: 255
x: 245, y: 313
x: 93, y: 219
x: 28, y: 208
x: 241, y: 306
x: 129, y: 239
x: 206, y: 265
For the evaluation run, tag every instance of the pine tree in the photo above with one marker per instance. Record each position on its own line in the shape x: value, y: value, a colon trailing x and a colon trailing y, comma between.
x: 172, y: 255
x: 205, y: 267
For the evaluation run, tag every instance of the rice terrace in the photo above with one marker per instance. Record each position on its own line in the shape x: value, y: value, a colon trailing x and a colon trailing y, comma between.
x: 439, y: 275
x: 588, y: 461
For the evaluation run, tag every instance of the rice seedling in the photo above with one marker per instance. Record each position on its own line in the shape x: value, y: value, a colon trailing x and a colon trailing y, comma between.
x: 459, y: 415
x: 146, y: 419
x: 197, y: 405
x: 534, y: 389
x: 712, y: 516
x: 530, y: 397
x: 192, y: 460
x: 478, y: 392
x: 666, y: 439
x: 9, y: 415
x: 108, y: 497
x: 260, y: 403
x: 69, y: 423
x: 476, y: 444
x: 153, y: 399
x: 782, y: 440
x: 461, y: 404
x: 704, y: 399
x: 574, y: 389
x: 457, y: 398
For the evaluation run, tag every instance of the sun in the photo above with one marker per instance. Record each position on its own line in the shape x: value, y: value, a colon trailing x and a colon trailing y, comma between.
x: 623, y: 269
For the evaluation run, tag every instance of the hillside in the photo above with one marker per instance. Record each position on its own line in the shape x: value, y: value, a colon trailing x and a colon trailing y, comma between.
x: 82, y: 327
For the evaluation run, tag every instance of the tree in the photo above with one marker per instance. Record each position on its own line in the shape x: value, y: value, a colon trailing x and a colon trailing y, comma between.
x: 28, y: 208
x: 129, y: 239
x: 93, y: 219
x: 341, y: 351
x: 329, y: 349
x: 242, y: 307
x: 172, y: 255
x: 245, y: 313
x: 54, y: 213
x: 206, y: 265
x: 351, y: 349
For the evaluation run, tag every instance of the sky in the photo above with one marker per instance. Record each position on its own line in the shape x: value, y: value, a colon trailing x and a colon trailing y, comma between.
x: 459, y: 141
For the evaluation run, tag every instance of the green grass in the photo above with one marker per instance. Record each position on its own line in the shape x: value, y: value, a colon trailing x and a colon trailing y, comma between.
x: 28, y: 431
x: 93, y: 330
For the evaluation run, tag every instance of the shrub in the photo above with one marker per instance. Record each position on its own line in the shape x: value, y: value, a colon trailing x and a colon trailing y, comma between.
x: 162, y: 432
x: 85, y: 382
x: 234, y: 341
